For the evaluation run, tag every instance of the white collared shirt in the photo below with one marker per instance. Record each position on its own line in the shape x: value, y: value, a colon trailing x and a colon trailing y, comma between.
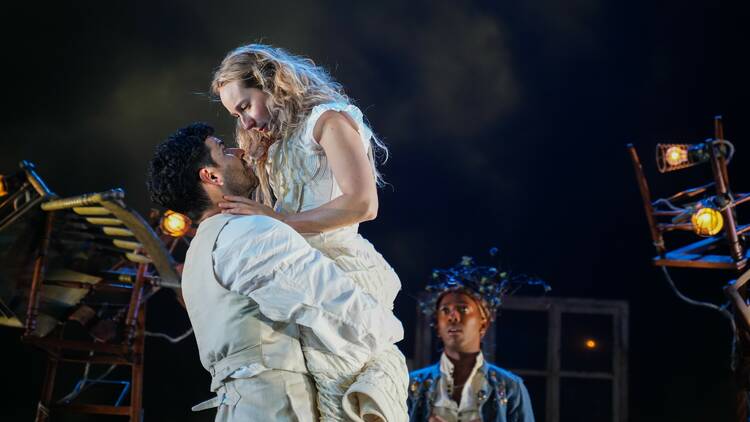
x: 469, y: 407
x: 268, y: 261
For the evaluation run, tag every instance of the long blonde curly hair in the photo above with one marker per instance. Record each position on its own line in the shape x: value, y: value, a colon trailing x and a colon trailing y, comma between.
x: 295, y: 85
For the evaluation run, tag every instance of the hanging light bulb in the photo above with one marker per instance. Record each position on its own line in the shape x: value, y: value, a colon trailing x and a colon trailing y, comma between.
x: 676, y: 155
x: 707, y: 221
x: 175, y: 224
x: 670, y: 157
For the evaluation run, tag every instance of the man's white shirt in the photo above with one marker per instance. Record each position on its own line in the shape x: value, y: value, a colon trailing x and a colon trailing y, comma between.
x: 266, y: 260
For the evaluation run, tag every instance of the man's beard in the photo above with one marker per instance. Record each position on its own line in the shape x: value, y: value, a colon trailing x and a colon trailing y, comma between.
x: 239, y: 182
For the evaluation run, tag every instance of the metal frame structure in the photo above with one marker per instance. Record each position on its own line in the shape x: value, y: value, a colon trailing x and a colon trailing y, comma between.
x: 697, y: 254
x: 704, y: 253
x: 555, y: 308
x: 145, y: 265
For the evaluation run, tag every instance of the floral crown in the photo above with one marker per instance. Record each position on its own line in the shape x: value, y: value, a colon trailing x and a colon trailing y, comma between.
x: 488, y: 285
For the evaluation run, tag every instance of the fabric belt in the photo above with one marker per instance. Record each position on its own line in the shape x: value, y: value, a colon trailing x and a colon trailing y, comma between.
x: 224, y: 368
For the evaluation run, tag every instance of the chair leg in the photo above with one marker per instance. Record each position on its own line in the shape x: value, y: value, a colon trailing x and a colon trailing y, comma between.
x: 43, y: 408
x: 136, y: 391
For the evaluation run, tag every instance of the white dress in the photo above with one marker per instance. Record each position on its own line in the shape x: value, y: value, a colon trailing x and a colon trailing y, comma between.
x: 301, y: 179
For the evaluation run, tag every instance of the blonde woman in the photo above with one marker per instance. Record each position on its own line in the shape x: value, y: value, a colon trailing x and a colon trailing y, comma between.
x: 315, y: 157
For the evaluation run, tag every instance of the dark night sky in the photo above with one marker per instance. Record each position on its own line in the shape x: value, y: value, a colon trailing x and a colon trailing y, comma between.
x: 506, y: 122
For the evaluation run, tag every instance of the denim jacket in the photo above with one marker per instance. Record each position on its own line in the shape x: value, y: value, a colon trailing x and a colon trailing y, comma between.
x: 506, y: 398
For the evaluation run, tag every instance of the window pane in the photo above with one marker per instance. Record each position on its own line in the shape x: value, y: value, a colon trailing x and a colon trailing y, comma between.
x: 521, y: 339
x: 585, y: 400
x: 586, y: 343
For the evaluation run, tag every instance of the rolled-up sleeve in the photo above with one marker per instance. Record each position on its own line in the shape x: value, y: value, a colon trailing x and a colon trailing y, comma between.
x: 290, y: 281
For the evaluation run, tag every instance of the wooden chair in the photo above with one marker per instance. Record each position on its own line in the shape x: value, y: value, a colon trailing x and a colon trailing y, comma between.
x: 91, y: 246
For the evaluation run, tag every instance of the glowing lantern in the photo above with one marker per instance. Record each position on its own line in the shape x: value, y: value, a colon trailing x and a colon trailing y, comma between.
x: 3, y: 188
x: 676, y: 155
x: 175, y: 224
x: 591, y: 344
x: 707, y: 221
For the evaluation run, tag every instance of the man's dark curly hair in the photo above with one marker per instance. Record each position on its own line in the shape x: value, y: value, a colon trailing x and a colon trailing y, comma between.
x: 172, y: 179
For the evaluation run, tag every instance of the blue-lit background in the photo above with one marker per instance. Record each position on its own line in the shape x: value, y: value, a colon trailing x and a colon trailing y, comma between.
x: 506, y: 121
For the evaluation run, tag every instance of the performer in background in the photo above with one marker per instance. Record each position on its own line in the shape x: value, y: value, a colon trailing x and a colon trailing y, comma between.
x: 463, y: 386
x: 314, y: 154
x: 255, y: 290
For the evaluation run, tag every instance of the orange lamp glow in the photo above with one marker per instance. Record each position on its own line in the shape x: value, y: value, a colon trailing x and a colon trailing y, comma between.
x: 591, y: 344
x: 175, y: 224
x: 670, y: 157
x: 707, y: 221
x: 3, y: 188
x: 676, y: 155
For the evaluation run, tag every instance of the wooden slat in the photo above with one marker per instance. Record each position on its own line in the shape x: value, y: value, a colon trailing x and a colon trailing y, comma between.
x: 700, y: 261
x: 741, y: 198
x: 126, y: 244
x: 117, y: 231
x: 70, y: 275
x: 104, y: 221
x: 10, y: 322
x: 138, y: 259
x: 85, y: 200
x: 91, y: 211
